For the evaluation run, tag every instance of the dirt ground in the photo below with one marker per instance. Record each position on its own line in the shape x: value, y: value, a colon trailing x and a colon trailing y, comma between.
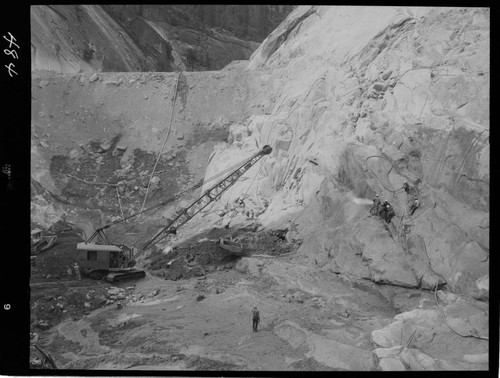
x: 310, y: 319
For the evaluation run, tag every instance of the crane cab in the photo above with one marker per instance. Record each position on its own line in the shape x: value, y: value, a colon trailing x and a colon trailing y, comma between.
x: 36, y: 235
x: 113, y: 262
x: 97, y: 259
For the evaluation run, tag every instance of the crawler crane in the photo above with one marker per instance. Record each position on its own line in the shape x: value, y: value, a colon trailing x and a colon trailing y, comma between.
x: 116, y: 262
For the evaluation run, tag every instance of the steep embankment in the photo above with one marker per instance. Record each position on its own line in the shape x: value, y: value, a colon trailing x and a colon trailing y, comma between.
x: 361, y: 100
x: 400, y: 97
x: 81, y: 38
x: 96, y: 137
x: 118, y: 38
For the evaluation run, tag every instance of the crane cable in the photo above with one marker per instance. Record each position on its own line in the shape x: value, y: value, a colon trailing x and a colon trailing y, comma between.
x: 254, y: 177
x: 164, y: 141
x: 229, y: 169
x: 196, y: 186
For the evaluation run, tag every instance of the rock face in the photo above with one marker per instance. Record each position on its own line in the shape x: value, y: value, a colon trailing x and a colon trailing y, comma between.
x: 379, y: 96
x: 415, y: 340
x: 101, y: 140
x: 91, y: 38
x: 248, y: 22
x: 353, y: 100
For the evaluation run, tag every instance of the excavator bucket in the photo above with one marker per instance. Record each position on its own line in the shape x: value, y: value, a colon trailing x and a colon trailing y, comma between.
x: 230, y: 246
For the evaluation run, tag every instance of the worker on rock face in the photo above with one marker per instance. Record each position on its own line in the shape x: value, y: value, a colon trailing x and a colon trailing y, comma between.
x: 383, y: 209
x: 415, y: 205
x: 376, y: 204
x: 255, y: 318
x: 389, y: 214
x: 406, y: 187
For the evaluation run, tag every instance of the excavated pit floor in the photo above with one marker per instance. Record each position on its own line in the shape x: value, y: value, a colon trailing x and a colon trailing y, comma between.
x: 310, y: 320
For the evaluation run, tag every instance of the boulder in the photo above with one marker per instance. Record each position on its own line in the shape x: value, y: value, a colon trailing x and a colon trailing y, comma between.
x: 242, y: 266
x: 113, y: 290
x: 99, y: 299
x: 73, y: 154
x: 407, y: 356
x: 468, y: 318
x: 391, y: 364
x: 43, y: 324
x: 248, y: 266
x: 386, y: 75
x: 380, y: 353
x: 104, y: 146
x: 378, y: 87
x: 476, y: 358
x: 426, y: 361
x: 155, y: 183
x: 387, y: 337
x: 167, y: 250
x: 43, y: 83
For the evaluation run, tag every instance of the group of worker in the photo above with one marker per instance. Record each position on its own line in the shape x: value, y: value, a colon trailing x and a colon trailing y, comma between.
x: 76, y: 268
x: 386, y: 211
x: 383, y: 209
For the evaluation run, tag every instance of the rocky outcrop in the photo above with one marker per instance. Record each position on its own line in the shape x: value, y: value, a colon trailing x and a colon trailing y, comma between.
x: 89, y: 38
x: 380, y: 96
x: 247, y: 22
x: 415, y: 340
x: 96, y: 137
x: 354, y: 101
x: 82, y: 38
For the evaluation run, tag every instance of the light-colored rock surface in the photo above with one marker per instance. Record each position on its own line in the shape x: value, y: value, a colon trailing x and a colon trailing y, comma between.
x: 429, y: 103
x: 354, y: 101
x: 417, y: 335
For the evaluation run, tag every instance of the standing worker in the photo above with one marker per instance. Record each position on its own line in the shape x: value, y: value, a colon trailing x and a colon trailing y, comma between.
x: 415, y: 205
x: 389, y: 214
x: 77, y: 272
x: 376, y: 205
x: 406, y: 187
x: 383, y: 210
x: 255, y: 318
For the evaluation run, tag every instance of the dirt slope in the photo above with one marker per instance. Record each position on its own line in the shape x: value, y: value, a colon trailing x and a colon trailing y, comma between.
x: 96, y: 134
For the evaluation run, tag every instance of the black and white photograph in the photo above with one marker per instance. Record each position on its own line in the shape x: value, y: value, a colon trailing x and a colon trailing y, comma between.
x: 256, y: 188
